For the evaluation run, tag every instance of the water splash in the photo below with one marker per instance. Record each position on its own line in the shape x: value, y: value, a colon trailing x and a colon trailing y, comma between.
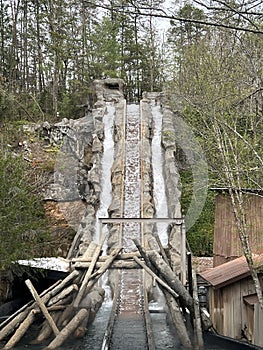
x: 159, y: 195
x: 106, y: 165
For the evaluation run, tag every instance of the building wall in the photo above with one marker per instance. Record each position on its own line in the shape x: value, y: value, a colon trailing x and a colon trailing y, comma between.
x: 227, y: 244
x: 258, y: 322
x: 227, y: 309
x: 231, y: 316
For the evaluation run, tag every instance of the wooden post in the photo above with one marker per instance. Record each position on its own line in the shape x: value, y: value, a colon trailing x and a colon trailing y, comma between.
x: 198, y: 328
x: 183, y: 253
x: 189, y: 273
x: 42, y: 307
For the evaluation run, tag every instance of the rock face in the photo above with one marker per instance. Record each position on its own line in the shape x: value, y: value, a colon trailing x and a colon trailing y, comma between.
x: 173, y: 185
x: 78, y: 166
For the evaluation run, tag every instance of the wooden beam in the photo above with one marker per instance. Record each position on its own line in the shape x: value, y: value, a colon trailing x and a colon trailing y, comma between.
x: 120, y: 264
x: 176, y: 221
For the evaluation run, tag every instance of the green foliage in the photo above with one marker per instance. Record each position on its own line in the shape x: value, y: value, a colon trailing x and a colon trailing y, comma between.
x: 22, y: 219
x: 200, y: 235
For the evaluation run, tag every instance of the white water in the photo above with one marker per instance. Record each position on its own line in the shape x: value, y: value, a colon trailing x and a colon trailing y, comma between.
x: 159, y: 195
x: 106, y: 165
x: 132, y: 197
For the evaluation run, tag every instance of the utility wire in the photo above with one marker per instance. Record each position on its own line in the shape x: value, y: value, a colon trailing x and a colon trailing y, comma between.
x: 138, y: 12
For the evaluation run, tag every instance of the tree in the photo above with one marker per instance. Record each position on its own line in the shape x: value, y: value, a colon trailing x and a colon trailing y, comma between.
x: 219, y: 85
x: 22, y: 219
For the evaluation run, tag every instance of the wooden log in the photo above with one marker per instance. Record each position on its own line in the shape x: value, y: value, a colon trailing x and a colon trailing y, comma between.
x: 89, y: 272
x: 103, y: 269
x: 21, y: 330
x: 72, y: 276
x: 162, y: 251
x: 158, y: 279
x: 45, y: 331
x: 89, y: 252
x: 81, y: 330
x: 29, y: 304
x: 9, y: 328
x: 63, y: 294
x: 169, y: 276
x: 143, y: 253
x: 17, y: 317
x: 118, y: 264
x: 199, y: 342
x: 178, y: 321
x: 123, y: 256
x: 42, y: 307
x: 107, y: 263
x: 69, y: 329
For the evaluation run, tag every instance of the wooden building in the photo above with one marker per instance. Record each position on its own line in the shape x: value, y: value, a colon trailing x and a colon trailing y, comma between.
x: 233, y: 303
x: 227, y: 244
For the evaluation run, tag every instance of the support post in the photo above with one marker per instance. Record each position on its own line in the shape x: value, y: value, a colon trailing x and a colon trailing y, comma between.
x: 183, y: 253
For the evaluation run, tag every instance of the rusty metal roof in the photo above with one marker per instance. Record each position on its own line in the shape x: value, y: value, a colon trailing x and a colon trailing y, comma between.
x: 230, y: 272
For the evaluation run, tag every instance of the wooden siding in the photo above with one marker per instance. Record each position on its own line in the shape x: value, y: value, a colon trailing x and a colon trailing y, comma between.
x: 226, y: 240
x: 230, y: 314
x: 258, y: 322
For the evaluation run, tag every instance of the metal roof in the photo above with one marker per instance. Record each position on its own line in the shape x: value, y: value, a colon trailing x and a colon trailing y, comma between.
x: 230, y: 272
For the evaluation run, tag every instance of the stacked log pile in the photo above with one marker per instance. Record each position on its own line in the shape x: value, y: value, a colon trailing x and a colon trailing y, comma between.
x: 69, y: 306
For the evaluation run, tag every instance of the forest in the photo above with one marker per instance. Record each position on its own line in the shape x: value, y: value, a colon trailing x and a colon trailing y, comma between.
x: 206, y: 55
